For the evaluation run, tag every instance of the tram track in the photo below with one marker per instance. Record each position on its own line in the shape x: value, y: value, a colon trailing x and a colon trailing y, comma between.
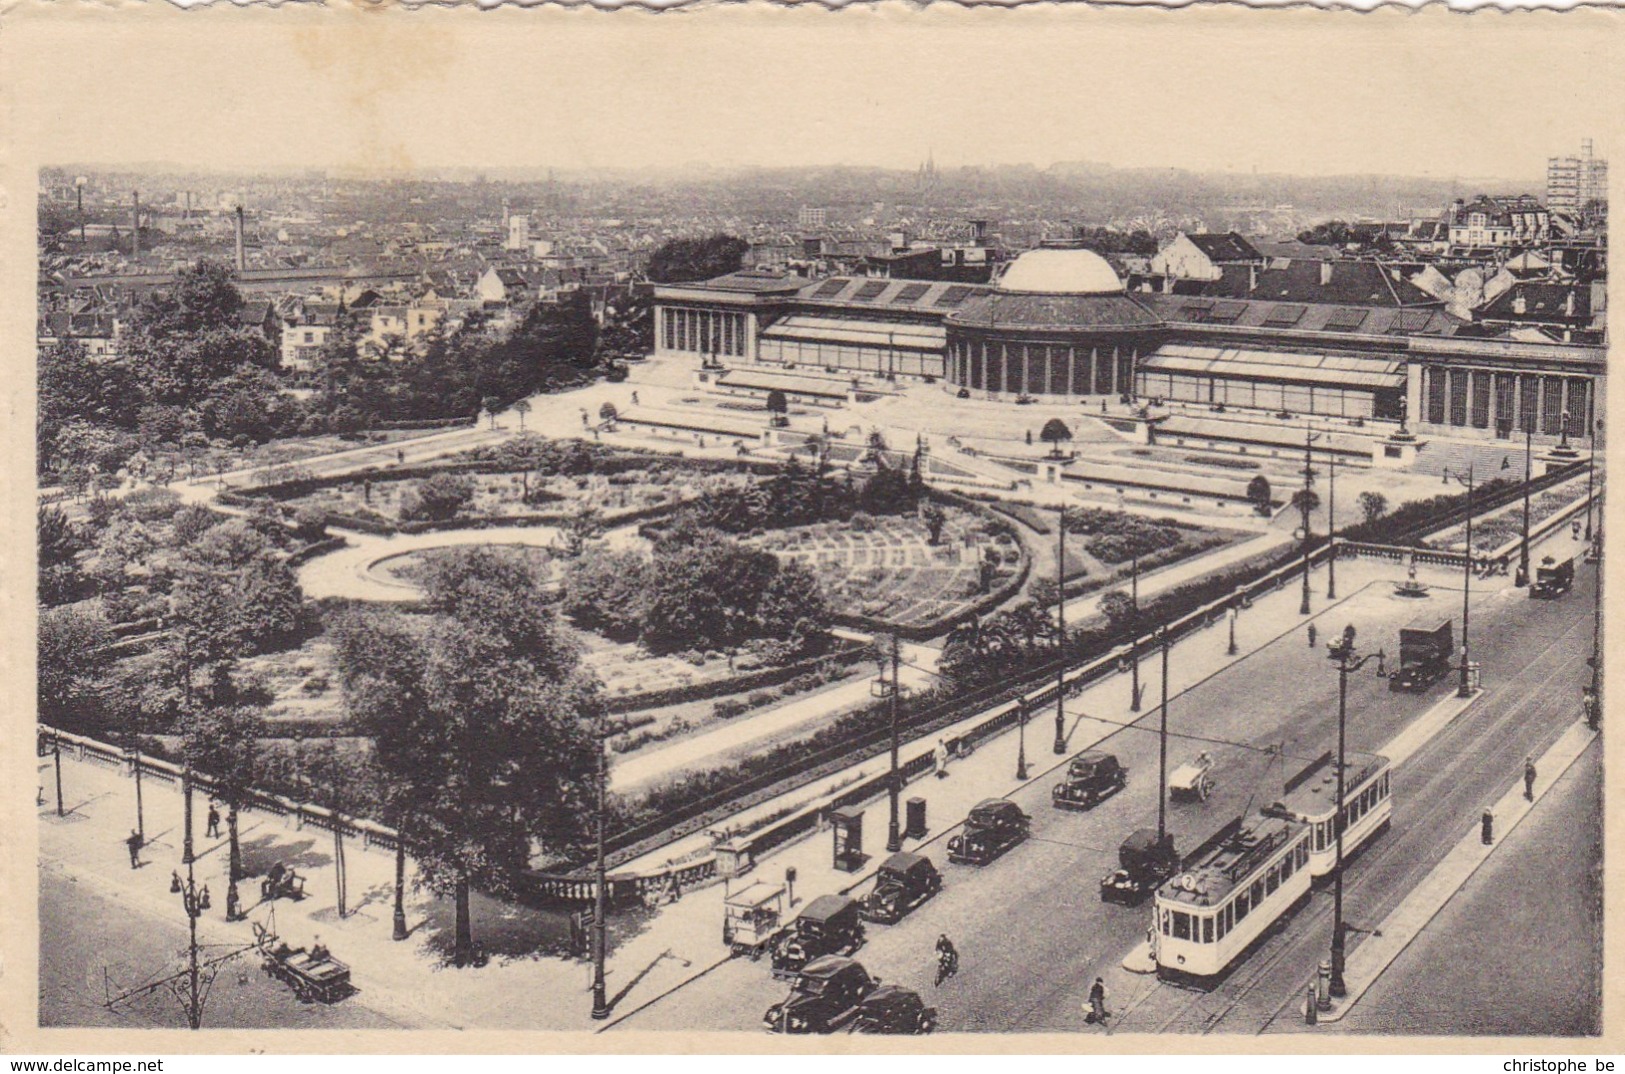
x: 1374, y: 856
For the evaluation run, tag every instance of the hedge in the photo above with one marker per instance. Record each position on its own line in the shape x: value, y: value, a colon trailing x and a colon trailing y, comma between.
x: 846, y: 653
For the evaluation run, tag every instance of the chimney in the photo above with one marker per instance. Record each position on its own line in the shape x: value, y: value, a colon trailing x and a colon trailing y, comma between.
x: 242, y: 259
x: 1520, y: 305
x: 1325, y: 273
x: 135, y: 227
x: 1568, y: 305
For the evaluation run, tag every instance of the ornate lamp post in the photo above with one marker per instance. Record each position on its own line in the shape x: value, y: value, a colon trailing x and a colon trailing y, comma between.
x: 894, y: 785
x: 1465, y: 689
x: 195, y: 901
x: 1021, y: 738
x: 1522, y: 578
x: 1060, y: 635
x: 1347, y: 663
x: 600, y: 1000
x: 1134, y: 648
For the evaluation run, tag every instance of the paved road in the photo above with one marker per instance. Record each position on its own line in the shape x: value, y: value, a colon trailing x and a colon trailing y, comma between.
x: 1031, y: 928
x: 1434, y: 987
x: 84, y: 931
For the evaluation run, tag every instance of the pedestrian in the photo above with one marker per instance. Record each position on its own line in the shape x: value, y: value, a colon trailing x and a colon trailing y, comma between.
x: 634, y: 398
x: 942, y: 759
x: 214, y: 823
x: 1588, y: 704
x: 400, y: 456
x: 134, y: 843
x: 1529, y: 779
x: 1097, y: 1003
x: 1574, y: 528
x: 1312, y: 635
x: 1103, y: 406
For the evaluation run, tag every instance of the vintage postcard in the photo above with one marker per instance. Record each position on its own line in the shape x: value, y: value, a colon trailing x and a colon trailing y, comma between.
x: 750, y: 528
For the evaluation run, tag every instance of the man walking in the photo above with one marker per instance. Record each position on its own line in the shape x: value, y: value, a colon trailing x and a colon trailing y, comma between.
x: 1529, y: 779
x: 942, y: 759
x: 214, y: 822
x: 1097, y: 1003
x: 134, y: 843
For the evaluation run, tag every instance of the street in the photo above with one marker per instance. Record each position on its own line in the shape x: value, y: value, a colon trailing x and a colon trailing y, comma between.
x: 1031, y: 929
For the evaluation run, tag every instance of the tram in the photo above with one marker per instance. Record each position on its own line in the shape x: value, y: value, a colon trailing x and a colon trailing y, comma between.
x: 1235, y: 886
x: 1368, y: 805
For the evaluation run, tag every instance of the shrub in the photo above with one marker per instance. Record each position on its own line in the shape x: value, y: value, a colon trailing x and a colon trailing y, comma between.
x: 728, y: 708
x: 862, y: 522
x: 758, y: 698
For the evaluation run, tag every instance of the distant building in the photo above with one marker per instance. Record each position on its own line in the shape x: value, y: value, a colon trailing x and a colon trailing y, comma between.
x: 518, y: 233
x: 1572, y: 183
x: 1499, y: 222
x: 1204, y: 257
x: 812, y: 220
x: 306, y: 334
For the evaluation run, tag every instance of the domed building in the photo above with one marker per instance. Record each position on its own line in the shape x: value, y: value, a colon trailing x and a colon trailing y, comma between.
x: 1057, y: 323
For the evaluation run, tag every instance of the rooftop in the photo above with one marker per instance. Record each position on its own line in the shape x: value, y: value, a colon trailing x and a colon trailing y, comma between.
x: 1060, y: 272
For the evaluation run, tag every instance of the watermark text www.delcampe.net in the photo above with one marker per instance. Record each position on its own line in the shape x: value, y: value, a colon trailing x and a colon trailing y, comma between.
x: 88, y: 1066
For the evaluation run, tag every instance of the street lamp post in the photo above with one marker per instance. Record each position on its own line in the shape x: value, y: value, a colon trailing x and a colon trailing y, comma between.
x: 1308, y: 477
x: 600, y: 1001
x: 894, y: 831
x: 1466, y: 689
x: 56, y: 756
x: 1528, y: 472
x: 1346, y: 663
x: 140, y: 813
x: 1060, y: 635
x: 195, y: 902
x: 1021, y: 738
x: 1591, y: 472
x: 1134, y: 646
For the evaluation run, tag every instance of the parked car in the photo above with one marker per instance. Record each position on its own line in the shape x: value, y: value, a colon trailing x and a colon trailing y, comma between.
x: 993, y: 827
x: 828, y: 925
x: 905, y: 881
x: 1144, y: 863
x: 1090, y: 778
x: 894, y: 1009
x: 826, y: 996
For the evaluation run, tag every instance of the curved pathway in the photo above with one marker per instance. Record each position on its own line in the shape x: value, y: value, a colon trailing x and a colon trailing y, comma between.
x: 348, y: 572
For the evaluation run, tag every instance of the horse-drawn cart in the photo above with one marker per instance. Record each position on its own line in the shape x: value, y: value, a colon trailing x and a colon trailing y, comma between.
x: 1193, y: 780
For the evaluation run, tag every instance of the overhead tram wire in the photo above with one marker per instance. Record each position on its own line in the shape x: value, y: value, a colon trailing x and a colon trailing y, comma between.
x: 1272, y: 750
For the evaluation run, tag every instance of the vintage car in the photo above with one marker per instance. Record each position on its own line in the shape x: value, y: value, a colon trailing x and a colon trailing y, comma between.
x: 1090, y: 778
x: 828, y: 994
x: 894, y: 1009
x: 993, y: 827
x: 828, y: 925
x: 905, y: 881
x: 1143, y: 864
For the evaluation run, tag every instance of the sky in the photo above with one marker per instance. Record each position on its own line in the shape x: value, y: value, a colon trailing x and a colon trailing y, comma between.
x: 1229, y: 90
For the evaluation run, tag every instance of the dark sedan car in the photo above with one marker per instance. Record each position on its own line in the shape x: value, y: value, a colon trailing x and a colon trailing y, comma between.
x: 993, y: 827
x: 828, y: 994
x: 904, y: 882
x: 1090, y: 778
x: 894, y: 1009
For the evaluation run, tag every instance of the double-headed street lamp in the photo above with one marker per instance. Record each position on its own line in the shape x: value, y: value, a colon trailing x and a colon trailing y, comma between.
x: 1522, y: 578
x: 195, y: 900
x: 1347, y: 663
x: 1308, y: 480
x: 1466, y: 688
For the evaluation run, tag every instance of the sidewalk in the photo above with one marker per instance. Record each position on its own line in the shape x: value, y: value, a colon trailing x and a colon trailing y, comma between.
x: 1377, y: 951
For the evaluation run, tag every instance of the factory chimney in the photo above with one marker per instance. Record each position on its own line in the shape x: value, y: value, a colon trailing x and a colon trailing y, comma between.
x: 135, y: 227
x: 242, y: 260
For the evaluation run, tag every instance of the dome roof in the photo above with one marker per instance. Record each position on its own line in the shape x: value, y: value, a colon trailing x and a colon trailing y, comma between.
x: 1060, y: 272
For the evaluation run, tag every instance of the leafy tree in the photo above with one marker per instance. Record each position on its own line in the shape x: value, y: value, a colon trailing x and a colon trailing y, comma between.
x: 437, y: 498
x: 604, y: 591
x: 1028, y: 622
x: 607, y: 412
x: 73, y: 661
x: 234, y: 595
x: 778, y: 406
x: 1258, y: 493
x: 793, y: 607
x: 1118, y: 608
x: 1306, y: 496
x: 583, y: 525
x: 704, y: 594
x: 886, y: 492
x: 521, y: 407
x: 1373, y: 505
x: 60, y: 543
x: 688, y: 260
x: 934, y: 517
x: 224, y: 743
x: 483, y: 721
x: 1055, y: 433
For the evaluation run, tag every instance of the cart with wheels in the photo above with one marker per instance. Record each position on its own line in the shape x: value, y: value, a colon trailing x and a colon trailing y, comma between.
x: 752, y: 917
x: 1193, y: 780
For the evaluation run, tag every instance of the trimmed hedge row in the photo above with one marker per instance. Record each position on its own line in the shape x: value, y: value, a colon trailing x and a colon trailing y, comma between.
x: 845, y: 653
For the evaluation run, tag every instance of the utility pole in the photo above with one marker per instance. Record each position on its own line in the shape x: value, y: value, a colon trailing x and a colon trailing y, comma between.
x: 1021, y: 738
x: 1134, y: 646
x: 1308, y: 476
x: 1465, y: 689
x: 1162, y: 749
x: 1345, y: 664
x: 1528, y: 472
x: 1060, y: 635
x: 1331, y: 524
x: 894, y: 785
x: 1591, y: 473
x: 600, y: 1001
x: 56, y: 754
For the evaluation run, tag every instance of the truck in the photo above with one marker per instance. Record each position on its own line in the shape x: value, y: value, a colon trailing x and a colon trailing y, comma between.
x: 1425, y: 651
x: 1553, y: 579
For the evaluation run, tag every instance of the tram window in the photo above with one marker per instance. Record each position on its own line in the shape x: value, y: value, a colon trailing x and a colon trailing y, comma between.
x: 1207, y: 929
x: 1182, y: 925
x: 1258, y: 891
x: 1286, y: 865
x: 1243, y: 905
x: 1272, y: 880
x: 1303, y: 853
x: 1165, y: 929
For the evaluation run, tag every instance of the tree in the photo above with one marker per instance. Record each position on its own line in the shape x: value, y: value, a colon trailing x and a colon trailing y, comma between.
x: 585, y: 524
x: 224, y: 743
x: 437, y: 498
x: 234, y: 595
x: 689, y: 260
x: 1258, y: 493
x: 607, y: 412
x: 485, y: 723
x: 1029, y: 623
x: 1373, y: 505
x: 793, y: 607
x: 73, y: 661
x: 60, y: 543
x: 1306, y: 496
x: 1120, y: 612
x: 521, y: 407
x: 934, y: 517
x: 779, y: 407
x: 1055, y: 433
x: 604, y: 591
